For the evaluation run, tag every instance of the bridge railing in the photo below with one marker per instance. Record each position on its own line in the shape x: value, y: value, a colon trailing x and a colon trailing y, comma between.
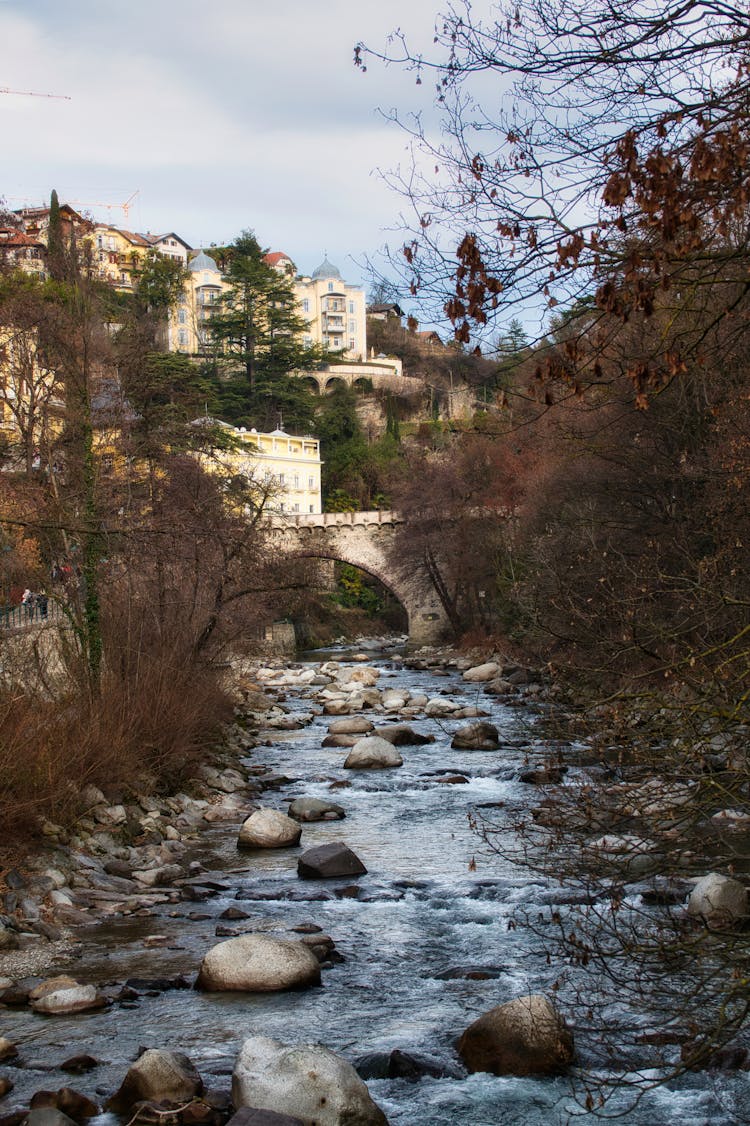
x: 21, y: 617
x: 340, y: 519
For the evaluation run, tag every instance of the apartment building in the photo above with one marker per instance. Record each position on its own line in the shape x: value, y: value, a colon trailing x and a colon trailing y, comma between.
x: 334, y: 311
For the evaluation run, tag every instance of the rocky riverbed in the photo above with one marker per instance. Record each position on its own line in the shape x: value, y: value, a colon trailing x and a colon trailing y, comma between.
x: 321, y: 884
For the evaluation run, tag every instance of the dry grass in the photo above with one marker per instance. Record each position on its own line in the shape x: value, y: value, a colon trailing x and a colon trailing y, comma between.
x: 144, y: 732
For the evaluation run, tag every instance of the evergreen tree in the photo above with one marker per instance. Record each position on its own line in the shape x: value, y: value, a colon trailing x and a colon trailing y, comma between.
x: 55, y: 246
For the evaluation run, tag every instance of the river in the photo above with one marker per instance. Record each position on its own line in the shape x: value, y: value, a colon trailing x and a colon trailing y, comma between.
x: 436, y: 904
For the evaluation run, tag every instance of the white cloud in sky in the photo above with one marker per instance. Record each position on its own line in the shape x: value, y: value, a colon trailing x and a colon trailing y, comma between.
x: 223, y: 115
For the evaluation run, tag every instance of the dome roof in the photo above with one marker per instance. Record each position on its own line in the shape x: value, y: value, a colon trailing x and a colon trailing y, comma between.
x: 202, y: 261
x: 326, y: 269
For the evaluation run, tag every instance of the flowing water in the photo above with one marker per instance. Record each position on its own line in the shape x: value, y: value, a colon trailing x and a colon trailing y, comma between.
x: 423, y: 916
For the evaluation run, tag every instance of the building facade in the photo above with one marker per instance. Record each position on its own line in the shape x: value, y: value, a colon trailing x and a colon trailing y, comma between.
x: 286, y: 468
x: 334, y: 311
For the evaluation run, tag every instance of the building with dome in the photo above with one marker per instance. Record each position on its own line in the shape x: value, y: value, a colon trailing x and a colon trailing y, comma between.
x: 334, y: 311
x: 188, y: 322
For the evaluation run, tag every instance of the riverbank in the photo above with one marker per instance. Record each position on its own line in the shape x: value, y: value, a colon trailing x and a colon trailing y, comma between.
x: 443, y: 925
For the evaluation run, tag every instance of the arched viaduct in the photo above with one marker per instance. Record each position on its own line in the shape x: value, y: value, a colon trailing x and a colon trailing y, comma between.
x: 365, y: 540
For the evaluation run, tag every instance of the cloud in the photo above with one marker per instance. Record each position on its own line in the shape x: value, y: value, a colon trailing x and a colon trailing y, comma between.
x: 225, y: 116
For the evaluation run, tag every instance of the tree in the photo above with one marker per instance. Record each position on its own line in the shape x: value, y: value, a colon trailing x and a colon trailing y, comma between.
x: 614, y: 165
x: 257, y: 334
x: 31, y: 387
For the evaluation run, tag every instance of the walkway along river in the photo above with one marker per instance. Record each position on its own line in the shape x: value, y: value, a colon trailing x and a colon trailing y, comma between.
x: 424, y: 936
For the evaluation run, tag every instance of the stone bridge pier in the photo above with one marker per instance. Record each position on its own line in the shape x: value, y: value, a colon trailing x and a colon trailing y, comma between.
x: 365, y: 540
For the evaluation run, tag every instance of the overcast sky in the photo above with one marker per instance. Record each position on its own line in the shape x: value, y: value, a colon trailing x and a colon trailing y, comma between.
x: 221, y: 114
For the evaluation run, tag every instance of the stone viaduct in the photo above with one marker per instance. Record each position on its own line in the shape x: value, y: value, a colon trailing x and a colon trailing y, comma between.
x: 385, y: 376
x: 365, y: 539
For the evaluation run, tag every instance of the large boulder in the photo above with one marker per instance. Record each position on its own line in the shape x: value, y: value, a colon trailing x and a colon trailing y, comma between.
x: 373, y: 753
x: 306, y: 1081
x: 356, y: 725
x: 257, y: 963
x: 526, y: 1036
x: 315, y: 809
x: 363, y: 676
x: 157, y: 1075
x: 479, y: 736
x: 269, y: 828
x: 401, y: 735
x: 339, y: 740
x: 720, y: 900
x: 329, y: 861
x: 65, y: 995
x: 252, y: 1116
x: 440, y: 706
x: 481, y: 673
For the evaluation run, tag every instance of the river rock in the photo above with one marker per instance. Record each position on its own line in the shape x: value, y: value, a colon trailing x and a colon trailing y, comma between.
x: 257, y: 963
x: 70, y: 1102
x: 476, y: 737
x: 252, y: 1116
x: 339, y: 740
x: 357, y: 725
x: 401, y: 735
x: 269, y: 828
x: 719, y: 900
x: 65, y: 995
x: 527, y: 1036
x: 157, y: 1075
x: 498, y: 687
x: 8, y: 1050
x: 47, y: 1116
x: 329, y: 861
x: 440, y: 706
x: 400, y: 1065
x: 363, y: 676
x: 481, y: 673
x: 372, y: 753
x: 306, y: 1081
x: 315, y: 809
x: 8, y: 938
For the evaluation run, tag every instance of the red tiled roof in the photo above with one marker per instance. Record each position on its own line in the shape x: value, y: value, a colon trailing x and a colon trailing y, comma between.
x: 11, y: 236
x: 275, y: 257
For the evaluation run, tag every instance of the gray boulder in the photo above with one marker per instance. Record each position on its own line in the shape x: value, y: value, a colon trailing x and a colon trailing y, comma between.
x: 373, y: 753
x: 64, y: 995
x: 526, y: 1036
x: 401, y: 735
x: 157, y: 1075
x: 719, y: 900
x: 479, y: 736
x: 315, y: 809
x: 269, y: 828
x: 356, y: 725
x: 482, y: 673
x: 329, y: 861
x: 306, y: 1081
x: 257, y: 963
x: 47, y: 1116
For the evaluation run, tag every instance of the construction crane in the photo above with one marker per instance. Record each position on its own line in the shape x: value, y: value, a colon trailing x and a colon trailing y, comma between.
x: 124, y: 207
x: 33, y: 94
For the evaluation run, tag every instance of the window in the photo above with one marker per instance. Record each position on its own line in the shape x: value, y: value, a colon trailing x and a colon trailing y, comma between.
x: 311, y: 483
x: 182, y: 317
x: 311, y: 508
x: 351, y: 343
x: 307, y: 341
x: 182, y: 338
x: 306, y: 305
x: 352, y: 326
x: 296, y: 508
x: 296, y: 480
x: 330, y: 287
x: 351, y: 306
x: 282, y: 479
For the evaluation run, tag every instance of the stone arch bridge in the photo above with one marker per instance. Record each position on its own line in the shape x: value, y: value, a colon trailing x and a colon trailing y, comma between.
x: 365, y: 540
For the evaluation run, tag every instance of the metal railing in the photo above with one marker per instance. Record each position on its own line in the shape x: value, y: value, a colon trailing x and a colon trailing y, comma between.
x: 21, y: 617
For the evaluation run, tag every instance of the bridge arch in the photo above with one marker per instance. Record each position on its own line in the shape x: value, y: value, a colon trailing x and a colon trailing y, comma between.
x: 365, y: 540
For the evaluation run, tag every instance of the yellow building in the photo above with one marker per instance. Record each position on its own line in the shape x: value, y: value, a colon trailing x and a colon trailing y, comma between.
x: 285, y: 467
x: 188, y: 322
x: 334, y: 311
